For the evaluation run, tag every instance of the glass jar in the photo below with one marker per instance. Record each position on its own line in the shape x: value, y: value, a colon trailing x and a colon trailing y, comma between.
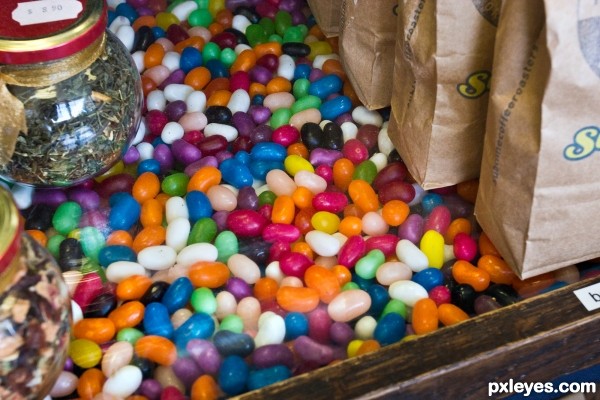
x: 35, y: 311
x: 70, y: 93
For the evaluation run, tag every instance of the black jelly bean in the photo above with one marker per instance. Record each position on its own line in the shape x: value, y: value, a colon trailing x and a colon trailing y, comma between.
x: 312, y: 135
x: 154, y: 293
x: 333, y: 136
x: 503, y: 294
x: 255, y: 249
x: 295, y: 49
x: 463, y: 296
x: 144, y: 37
x: 39, y: 217
x: 218, y: 114
x: 231, y: 343
x: 70, y: 255
x: 240, y: 38
x: 101, y: 306
x: 249, y: 13
x: 146, y: 366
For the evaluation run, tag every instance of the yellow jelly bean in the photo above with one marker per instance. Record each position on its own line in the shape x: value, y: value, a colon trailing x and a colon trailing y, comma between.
x: 166, y: 19
x: 353, y: 347
x: 114, y: 170
x: 325, y: 221
x: 432, y: 244
x: 295, y: 163
x: 85, y: 353
x: 319, y: 48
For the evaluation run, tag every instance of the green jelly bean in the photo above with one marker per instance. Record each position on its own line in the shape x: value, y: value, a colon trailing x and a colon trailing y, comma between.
x: 266, y: 197
x: 255, y: 34
x: 130, y: 335
x: 394, y: 306
x: 175, y: 184
x: 350, y: 286
x: 203, y: 231
x: 367, y: 266
x: 211, y: 51
x: 268, y: 25
x: 305, y: 102
x: 366, y: 170
x: 203, y: 300
x: 228, y: 57
x: 200, y: 17
x: 283, y: 20
x: 300, y: 88
x: 227, y: 245
x: 280, y: 117
x: 275, y: 38
x: 293, y: 35
x: 53, y: 245
x: 202, y: 3
x: 66, y: 217
x: 90, y: 266
x: 232, y: 323
x: 92, y: 241
x: 304, y: 29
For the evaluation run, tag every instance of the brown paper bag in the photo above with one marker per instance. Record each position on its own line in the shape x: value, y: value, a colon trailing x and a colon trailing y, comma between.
x: 328, y: 14
x: 539, y: 192
x: 442, y: 70
x: 367, y: 44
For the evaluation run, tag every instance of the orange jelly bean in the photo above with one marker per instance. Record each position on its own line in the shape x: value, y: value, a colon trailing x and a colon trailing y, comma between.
x: 127, y: 315
x: 303, y: 248
x: 144, y: 20
x: 219, y: 98
x: 333, y: 66
x: 198, y: 78
x: 153, y: 235
x: 284, y: 210
x: 90, y: 383
x: 224, y: 17
x: 342, y: 273
x: 133, y: 287
x: 458, y: 225
x: 265, y: 289
x: 205, y: 178
x: 425, y: 316
x: 465, y: 272
x: 486, y: 246
x: 497, y: 268
x: 38, y: 236
x: 303, y: 218
x: 302, y: 197
x: 298, y: 149
x: 157, y: 349
x: 395, y: 212
x: 449, y: 314
x: 531, y: 286
x: 136, y: 397
x: 216, y: 84
x: 205, y: 388
x: 215, y: 28
x: 145, y: 187
x: 257, y: 89
x: 297, y: 299
x: 343, y: 169
x: 267, y: 48
x: 210, y: 274
x: 278, y: 84
x: 352, y: 210
x: 368, y: 346
x: 363, y: 195
x: 148, y: 85
x: 119, y: 238
x: 98, y: 330
x: 152, y: 213
x: 468, y: 190
x: 324, y: 281
x: 196, y: 42
x: 244, y: 61
x: 154, y: 55
x: 350, y: 226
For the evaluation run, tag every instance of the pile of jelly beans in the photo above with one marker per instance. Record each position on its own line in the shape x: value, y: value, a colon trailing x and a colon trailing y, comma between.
x: 261, y: 225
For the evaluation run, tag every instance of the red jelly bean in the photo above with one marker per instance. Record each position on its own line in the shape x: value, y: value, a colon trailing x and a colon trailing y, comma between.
x: 280, y: 232
x: 333, y: 202
x: 246, y: 223
x: 393, y: 172
x: 440, y: 294
x: 386, y: 243
x: 285, y: 135
x: 397, y: 190
x: 438, y: 220
x: 355, y: 151
x: 239, y: 80
x: 354, y: 249
x: 294, y: 264
x: 88, y: 289
x: 209, y: 146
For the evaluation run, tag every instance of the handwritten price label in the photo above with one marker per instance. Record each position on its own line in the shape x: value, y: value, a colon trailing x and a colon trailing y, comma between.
x: 43, y: 11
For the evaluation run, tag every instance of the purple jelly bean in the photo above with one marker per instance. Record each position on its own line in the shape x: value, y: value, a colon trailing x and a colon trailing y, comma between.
x: 280, y: 232
x: 266, y: 9
x: 262, y: 133
x: 151, y: 388
x: 185, y: 152
x: 69, y: 365
x: 205, y: 354
x: 353, y: 249
x: 386, y: 243
x: 271, y: 355
x: 175, y: 110
x: 260, y: 74
x: 246, y: 223
x: 269, y: 61
x: 162, y: 154
x: 315, y: 75
x: 143, y: 11
x: 96, y: 218
x: 412, y: 228
x: 290, y: 5
x: 247, y: 198
x: 341, y: 333
x: 319, y: 325
x: 131, y: 156
x: 458, y: 207
x: 204, y: 161
x: 309, y: 350
x: 345, y: 117
x: 49, y: 197
x: 220, y: 218
x: 438, y: 220
x: 298, y: 17
x: 259, y: 114
x: 186, y: 370
x: 114, y: 184
x: 333, y: 202
x: 238, y: 288
x: 86, y: 198
x: 223, y: 155
x: 320, y: 156
x: 243, y: 123
x: 294, y: 264
x: 177, y: 76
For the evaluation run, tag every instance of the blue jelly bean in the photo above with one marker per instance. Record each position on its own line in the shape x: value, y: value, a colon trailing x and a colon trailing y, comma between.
x: 191, y: 58
x: 235, y: 173
x: 178, y: 294
x: 326, y: 86
x: 429, y: 278
x: 302, y: 71
x: 111, y: 254
x: 260, y: 169
x: 431, y: 201
x: 230, y: 343
x: 258, y: 100
x: 127, y: 11
x: 267, y: 376
x: 390, y: 329
x: 117, y: 197
x: 124, y: 213
x: 217, y: 69
x: 198, y: 205
x: 379, y: 298
x: 158, y: 32
x: 243, y: 157
x: 233, y: 375
x: 157, y: 321
x: 198, y: 326
x: 333, y: 108
x: 149, y: 165
x: 554, y: 286
x: 111, y: 17
x: 268, y: 151
x: 296, y: 324
x: 362, y: 283
x: 157, y: 140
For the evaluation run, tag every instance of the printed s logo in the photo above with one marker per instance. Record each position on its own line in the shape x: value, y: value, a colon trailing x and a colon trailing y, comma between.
x: 476, y: 85
x: 585, y: 142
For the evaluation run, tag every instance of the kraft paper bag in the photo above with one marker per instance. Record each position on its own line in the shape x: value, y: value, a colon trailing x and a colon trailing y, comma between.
x: 367, y: 45
x: 328, y: 15
x: 442, y: 70
x: 539, y: 192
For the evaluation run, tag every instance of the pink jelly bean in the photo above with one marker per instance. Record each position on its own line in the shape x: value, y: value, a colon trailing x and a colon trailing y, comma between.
x: 333, y: 202
x: 412, y: 228
x: 325, y: 172
x: 193, y: 121
x: 438, y: 220
x: 172, y: 393
x: 355, y: 151
x: 354, y: 249
x: 277, y: 249
x: 285, y: 135
x: 246, y: 223
x: 440, y: 295
x: 464, y: 246
x: 319, y: 325
x: 158, y: 74
x: 280, y: 232
x: 392, y: 172
x: 88, y: 289
x: 386, y: 243
x: 239, y: 80
x: 294, y: 264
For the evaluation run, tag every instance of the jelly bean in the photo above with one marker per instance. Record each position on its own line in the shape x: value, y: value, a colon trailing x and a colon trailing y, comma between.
x: 325, y: 221
x: 390, y: 272
x: 130, y: 335
x: 90, y: 383
x: 299, y: 299
x: 205, y: 388
x: 178, y: 294
x: 412, y: 228
x: 157, y: 258
x: 464, y: 247
x: 116, y: 356
x: 498, y: 270
x: 408, y: 292
x: 323, y: 281
x: 363, y: 195
x: 127, y: 315
x: 311, y: 351
x: 432, y: 245
x: 348, y: 305
x: 354, y: 248
x: 280, y: 232
x: 101, y: 305
x: 425, y: 317
x: 198, y: 326
x: 325, y: 86
x: 148, y: 237
x: 85, y: 353
x: 463, y: 296
x: 233, y: 375
x: 205, y: 354
x: 504, y: 294
x: 175, y: 184
x: 397, y: 190
x: 390, y: 329
x: 411, y: 255
x: 395, y: 307
x: 271, y: 329
x: 88, y: 289
x: 155, y: 292
x: 157, y: 349
x: 466, y: 273
x: 246, y: 223
x: 123, y: 382
x: 449, y: 314
x: 109, y: 254
x: 203, y: 300
x: 323, y: 243
x: 156, y: 320
x: 98, y: 330
x: 366, y: 267
x: 235, y: 173
x: 429, y: 278
x: 66, y: 217
x: 268, y: 376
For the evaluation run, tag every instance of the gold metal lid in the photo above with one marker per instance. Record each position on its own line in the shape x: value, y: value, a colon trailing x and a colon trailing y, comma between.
x: 10, y: 227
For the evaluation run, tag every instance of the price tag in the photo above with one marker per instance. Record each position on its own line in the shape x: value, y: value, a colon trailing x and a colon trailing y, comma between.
x: 43, y: 11
x: 589, y: 296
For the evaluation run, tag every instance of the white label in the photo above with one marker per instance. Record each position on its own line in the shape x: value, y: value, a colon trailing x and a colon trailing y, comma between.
x: 42, y: 11
x: 589, y: 296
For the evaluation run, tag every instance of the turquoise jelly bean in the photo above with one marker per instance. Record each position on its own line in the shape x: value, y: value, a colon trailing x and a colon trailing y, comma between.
x: 333, y: 108
x: 124, y: 212
x: 227, y: 57
x: 227, y: 245
x: 296, y: 324
x: 267, y: 376
x: 233, y: 375
x: 326, y: 86
x: 280, y: 117
x: 366, y: 170
x: 198, y: 205
x: 178, y: 294
x: 235, y: 173
x: 110, y: 254
x: 156, y: 321
x: 198, y: 326
x: 203, y: 300
x: 211, y: 51
x: 232, y: 323
x: 306, y: 102
x: 300, y: 87
x: 260, y: 169
x: 67, y: 217
x: 92, y: 241
x: 431, y: 201
x: 391, y: 328
x: 203, y: 231
x: 379, y: 298
x: 367, y: 266
x: 395, y: 306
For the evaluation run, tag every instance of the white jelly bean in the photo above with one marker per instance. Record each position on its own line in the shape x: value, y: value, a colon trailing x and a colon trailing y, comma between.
x: 349, y: 130
x: 114, y: 3
x: 157, y: 258
x: 177, y: 91
x: 408, y: 292
x: 380, y: 160
x: 126, y: 35
x: 118, y: 22
x: 146, y: 151
x: 226, y: 304
x: 197, y: 252
x: 365, y: 327
x: 155, y: 100
x: 179, y: 317
x: 384, y: 143
x: 76, y: 312
x: 221, y: 198
x: 171, y: 61
x: 313, y: 182
x: 227, y: 131
x: 140, y: 133
x: 320, y: 59
x: 240, y: 23
x: 22, y: 195
x: 65, y: 384
x: 241, y: 47
x: 286, y: 67
x: 363, y: 116
x: 349, y: 304
x: 183, y: 10
x: 392, y: 271
x: 124, y: 382
x: 419, y: 194
x: 273, y: 271
x: 239, y: 101
x: 243, y: 267
x: 171, y: 132
x: 411, y: 255
x: 117, y: 356
x: 449, y: 253
x: 176, y: 207
x: 177, y: 233
x: 275, y: 101
x: 196, y: 101
x: 119, y: 270
x: 271, y: 329
x: 257, y: 183
x: 191, y: 121
x: 322, y: 243
x: 373, y: 224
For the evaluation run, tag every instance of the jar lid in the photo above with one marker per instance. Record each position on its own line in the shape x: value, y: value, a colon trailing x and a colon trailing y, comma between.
x: 10, y: 226
x: 45, y: 30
